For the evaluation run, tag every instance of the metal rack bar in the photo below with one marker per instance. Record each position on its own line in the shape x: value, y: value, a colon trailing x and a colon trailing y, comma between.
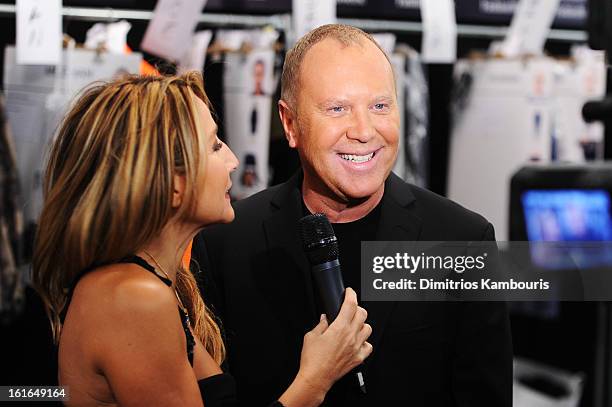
x: 104, y: 14
x: 463, y: 30
x: 283, y: 21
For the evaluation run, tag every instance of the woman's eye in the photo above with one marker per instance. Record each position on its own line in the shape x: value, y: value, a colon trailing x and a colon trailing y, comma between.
x: 218, y: 145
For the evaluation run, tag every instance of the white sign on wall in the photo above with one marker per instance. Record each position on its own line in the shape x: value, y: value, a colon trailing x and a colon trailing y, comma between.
x: 170, y: 32
x: 529, y: 28
x: 439, y: 31
x: 39, y: 32
x: 310, y: 14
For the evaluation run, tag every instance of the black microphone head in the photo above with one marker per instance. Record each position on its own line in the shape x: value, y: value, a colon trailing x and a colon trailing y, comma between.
x: 318, y: 238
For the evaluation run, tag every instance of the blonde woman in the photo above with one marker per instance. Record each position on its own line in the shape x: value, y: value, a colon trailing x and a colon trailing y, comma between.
x: 135, y: 172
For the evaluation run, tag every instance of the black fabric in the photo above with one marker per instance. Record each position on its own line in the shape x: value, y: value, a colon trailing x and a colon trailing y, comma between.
x: 218, y: 390
x: 256, y: 277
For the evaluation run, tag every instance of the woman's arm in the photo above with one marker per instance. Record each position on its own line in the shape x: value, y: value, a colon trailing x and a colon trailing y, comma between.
x: 140, y: 347
x: 328, y: 353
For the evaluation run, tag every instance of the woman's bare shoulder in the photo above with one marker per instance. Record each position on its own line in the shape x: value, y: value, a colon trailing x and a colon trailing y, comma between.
x: 124, y: 302
x: 121, y: 285
x: 134, y: 336
x: 119, y: 296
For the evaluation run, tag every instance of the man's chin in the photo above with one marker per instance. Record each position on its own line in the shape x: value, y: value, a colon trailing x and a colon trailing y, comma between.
x: 358, y: 195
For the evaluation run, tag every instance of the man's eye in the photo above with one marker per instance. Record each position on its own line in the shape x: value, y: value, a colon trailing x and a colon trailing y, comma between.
x: 337, y: 109
x: 380, y: 106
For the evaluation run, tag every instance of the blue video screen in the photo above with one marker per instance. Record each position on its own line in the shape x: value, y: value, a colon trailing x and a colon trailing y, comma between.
x: 569, y: 215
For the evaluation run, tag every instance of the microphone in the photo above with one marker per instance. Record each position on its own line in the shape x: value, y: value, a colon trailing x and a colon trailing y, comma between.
x: 321, y: 247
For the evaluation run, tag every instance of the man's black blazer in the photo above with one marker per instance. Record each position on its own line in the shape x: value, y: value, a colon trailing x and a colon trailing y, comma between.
x: 256, y: 278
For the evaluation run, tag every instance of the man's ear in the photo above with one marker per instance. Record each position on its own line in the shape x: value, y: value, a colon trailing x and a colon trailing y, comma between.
x: 178, y: 191
x: 289, y: 121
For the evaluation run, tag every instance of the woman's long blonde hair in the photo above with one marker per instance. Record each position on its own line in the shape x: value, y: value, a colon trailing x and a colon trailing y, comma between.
x: 109, y: 184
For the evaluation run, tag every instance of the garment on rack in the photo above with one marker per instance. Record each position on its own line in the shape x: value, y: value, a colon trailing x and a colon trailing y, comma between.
x: 212, y: 72
x: 254, y: 121
x: 417, y: 119
x: 12, y: 283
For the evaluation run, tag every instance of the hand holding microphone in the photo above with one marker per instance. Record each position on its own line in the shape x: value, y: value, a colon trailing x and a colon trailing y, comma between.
x: 331, y: 351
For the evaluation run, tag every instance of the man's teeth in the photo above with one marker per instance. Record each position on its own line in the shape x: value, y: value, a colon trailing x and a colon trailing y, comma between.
x: 357, y: 158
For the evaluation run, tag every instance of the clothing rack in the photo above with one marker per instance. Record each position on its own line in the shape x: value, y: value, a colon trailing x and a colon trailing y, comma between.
x: 283, y: 22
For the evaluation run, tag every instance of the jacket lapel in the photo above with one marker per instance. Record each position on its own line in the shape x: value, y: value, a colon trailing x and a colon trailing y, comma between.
x: 397, y: 223
x: 289, y: 273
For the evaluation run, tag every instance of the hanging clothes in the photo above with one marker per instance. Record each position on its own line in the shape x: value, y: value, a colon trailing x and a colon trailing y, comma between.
x: 417, y: 119
x: 11, y: 226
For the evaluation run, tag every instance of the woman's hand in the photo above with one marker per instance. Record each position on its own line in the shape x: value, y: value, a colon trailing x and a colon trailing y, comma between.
x: 330, y: 352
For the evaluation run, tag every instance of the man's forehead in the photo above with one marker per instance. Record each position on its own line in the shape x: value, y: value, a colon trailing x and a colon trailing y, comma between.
x: 328, y: 57
x: 330, y: 48
x: 332, y: 44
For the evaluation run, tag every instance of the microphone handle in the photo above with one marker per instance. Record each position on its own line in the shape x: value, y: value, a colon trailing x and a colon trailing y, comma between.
x: 329, y: 285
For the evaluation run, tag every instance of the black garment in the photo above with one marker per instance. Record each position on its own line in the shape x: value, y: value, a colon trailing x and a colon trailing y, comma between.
x: 219, y: 390
x: 254, y: 121
x: 257, y: 278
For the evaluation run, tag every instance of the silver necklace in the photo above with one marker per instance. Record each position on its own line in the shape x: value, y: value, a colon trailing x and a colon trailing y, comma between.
x: 167, y: 276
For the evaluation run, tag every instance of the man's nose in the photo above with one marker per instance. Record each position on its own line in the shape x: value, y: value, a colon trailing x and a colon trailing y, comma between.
x: 362, y: 128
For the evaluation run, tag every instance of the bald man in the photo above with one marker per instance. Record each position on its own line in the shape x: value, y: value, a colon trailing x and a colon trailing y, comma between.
x: 339, y: 111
